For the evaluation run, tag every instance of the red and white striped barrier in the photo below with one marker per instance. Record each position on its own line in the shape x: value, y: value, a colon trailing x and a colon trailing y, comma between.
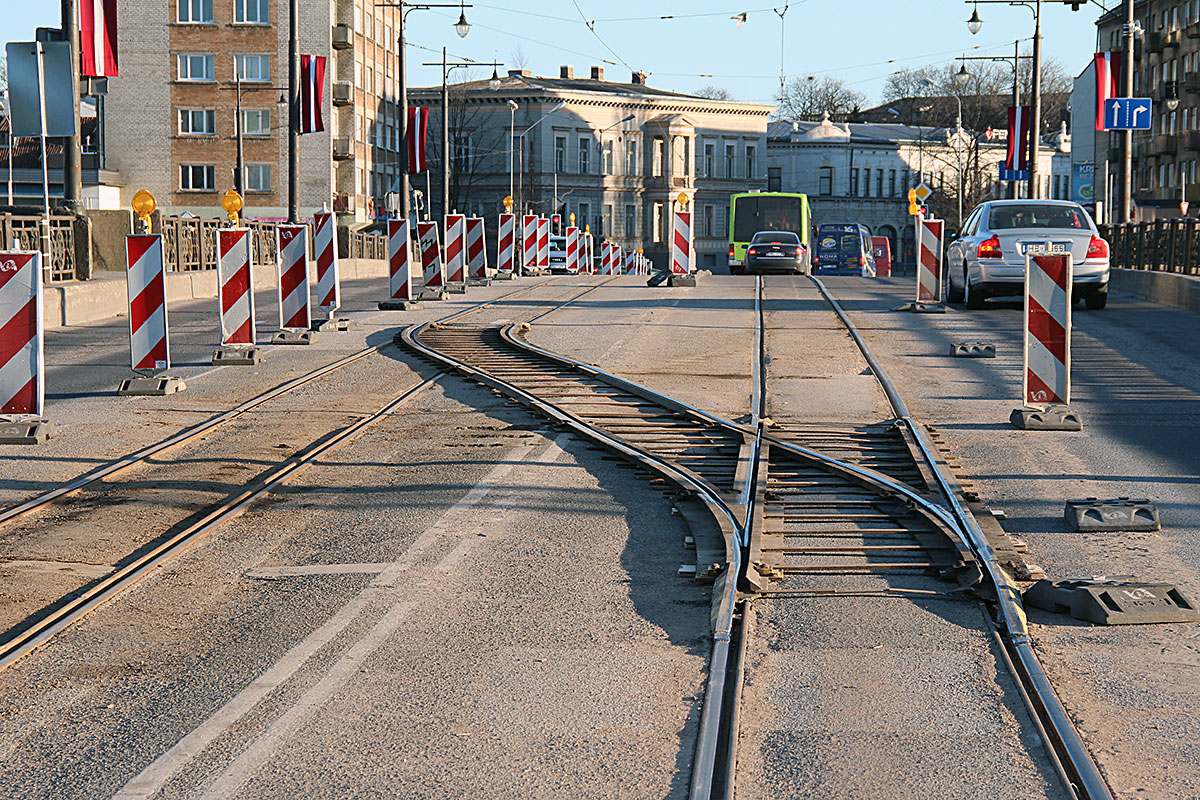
x: 929, y: 260
x: 294, y: 308
x: 233, y: 275
x: 22, y: 354
x: 529, y: 240
x: 605, y: 261
x: 543, y: 244
x: 572, y: 261
x: 476, y: 254
x: 149, y: 348
x: 1047, y: 379
x: 456, y: 248
x: 681, y: 243
x: 631, y: 263
x: 329, y: 284
x: 399, y: 261
x: 431, y: 257
x: 586, y: 248
x: 506, y: 242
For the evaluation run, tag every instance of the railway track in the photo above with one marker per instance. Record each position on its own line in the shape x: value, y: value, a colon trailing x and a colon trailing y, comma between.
x: 805, y: 510
x: 174, y: 520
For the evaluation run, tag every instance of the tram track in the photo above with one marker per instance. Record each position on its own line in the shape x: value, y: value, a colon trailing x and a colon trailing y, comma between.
x: 198, y: 519
x: 806, y: 511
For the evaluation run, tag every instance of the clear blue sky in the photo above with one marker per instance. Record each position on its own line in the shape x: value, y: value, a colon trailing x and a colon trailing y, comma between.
x: 859, y: 41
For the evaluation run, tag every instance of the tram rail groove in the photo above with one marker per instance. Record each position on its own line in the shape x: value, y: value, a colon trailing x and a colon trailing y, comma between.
x: 125, y: 462
x: 1084, y: 777
x: 74, y: 607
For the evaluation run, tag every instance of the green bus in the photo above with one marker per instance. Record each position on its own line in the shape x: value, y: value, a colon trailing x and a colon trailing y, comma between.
x: 752, y: 212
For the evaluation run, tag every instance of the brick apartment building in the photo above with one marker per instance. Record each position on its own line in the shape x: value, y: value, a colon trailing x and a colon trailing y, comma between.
x: 170, y: 119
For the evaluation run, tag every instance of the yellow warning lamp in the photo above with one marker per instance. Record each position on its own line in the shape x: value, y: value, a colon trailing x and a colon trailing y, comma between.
x: 232, y: 203
x: 587, y: 228
x: 508, y: 204
x: 572, y: 218
x: 682, y: 199
x: 639, y: 251
x: 143, y: 205
x: 914, y: 208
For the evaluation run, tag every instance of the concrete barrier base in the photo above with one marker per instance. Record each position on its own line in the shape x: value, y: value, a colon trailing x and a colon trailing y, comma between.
x: 294, y: 337
x: 1165, y: 288
x: 27, y: 430
x: 237, y: 356
x: 1056, y: 418
x: 400, y: 305
x: 156, y: 387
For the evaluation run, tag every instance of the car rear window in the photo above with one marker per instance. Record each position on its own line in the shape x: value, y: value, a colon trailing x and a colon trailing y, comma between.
x: 1033, y: 215
x: 776, y: 237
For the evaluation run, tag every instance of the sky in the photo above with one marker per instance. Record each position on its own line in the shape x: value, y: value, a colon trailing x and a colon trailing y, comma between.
x: 859, y: 41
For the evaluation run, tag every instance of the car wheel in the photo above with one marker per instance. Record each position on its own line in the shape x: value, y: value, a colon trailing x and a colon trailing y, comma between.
x: 972, y: 299
x: 953, y: 293
x: 1096, y: 301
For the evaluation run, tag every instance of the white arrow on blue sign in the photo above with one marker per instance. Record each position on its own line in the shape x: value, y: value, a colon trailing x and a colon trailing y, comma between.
x: 1127, y: 114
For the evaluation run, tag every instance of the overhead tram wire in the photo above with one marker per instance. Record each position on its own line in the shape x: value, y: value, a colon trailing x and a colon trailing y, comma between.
x: 591, y: 26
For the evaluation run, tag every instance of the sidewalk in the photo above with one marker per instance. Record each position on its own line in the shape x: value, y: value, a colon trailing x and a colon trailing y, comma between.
x: 103, y: 297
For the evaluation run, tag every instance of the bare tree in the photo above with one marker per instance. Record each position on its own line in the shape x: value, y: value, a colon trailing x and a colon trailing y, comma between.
x: 519, y: 59
x: 812, y: 98
x: 714, y: 93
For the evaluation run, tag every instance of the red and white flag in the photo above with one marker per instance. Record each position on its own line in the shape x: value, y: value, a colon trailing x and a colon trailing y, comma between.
x: 414, y: 145
x: 312, y: 90
x: 1017, y: 157
x: 1108, y: 82
x: 98, y: 38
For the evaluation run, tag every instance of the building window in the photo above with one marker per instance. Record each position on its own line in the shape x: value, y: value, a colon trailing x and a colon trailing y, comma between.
x: 683, y: 154
x: 256, y: 123
x: 585, y: 216
x: 854, y: 181
x: 606, y: 222
x: 631, y: 221
x: 196, y: 68
x: 659, y: 221
x: 659, y: 157
x: 729, y: 162
x: 879, y: 183
x: 891, y: 183
x: 197, y: 177
x: 750, y: 153
x: 585, y: 155
x: 710, y: 219
x: 866, y: 182
x: 721, y: 225
x: 197, y: 122
x: 825, y: 182
x: 607, y: 158
x: 774, y: 179
x: 560, y: 154
x: 710, y: 156
x: 460, y: 156
x: 251, y: 12
x: 253, y: 69
x: 257, y: 178
x: 904, y: 180
x: 631, y: 159
x: 196, y: 11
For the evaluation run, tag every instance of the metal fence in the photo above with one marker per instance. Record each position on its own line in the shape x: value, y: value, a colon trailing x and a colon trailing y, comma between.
x: 1163, y: 245
x: 27, y: 230
x: 190, y: 243
x: 367, y: 245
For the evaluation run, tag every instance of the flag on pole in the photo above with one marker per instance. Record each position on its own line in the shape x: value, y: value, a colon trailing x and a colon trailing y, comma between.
x: 312, y: 90
x: 1017, y: 157
x: 1108, y: 82
x: 414, y: 145
x: 98, y: 38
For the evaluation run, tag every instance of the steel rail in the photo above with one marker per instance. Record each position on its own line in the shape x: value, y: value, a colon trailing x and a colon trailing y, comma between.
x: 704, y: 768
x: 139, y: 456
x: 41, y: 632
x: 1064, y: 738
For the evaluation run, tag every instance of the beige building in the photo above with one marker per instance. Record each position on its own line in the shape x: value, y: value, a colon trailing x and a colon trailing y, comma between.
x: 171, y: 122
x: 616, y: 154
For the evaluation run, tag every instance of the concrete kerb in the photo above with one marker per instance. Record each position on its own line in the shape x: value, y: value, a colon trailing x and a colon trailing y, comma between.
x: 80, y: 302
x: 1164, y: 288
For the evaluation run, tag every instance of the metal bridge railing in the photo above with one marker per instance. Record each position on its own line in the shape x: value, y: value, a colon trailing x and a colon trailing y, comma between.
x: 1162, y: 245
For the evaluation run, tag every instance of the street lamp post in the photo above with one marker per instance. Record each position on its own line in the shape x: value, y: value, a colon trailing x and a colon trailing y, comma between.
x: 446, y: 67
x: 9, y: 148
x: 239, y: 174
x: 461, y: 27
x: 1014, y: 62
x: 521, y: 154
x: 512, y: 142
x: 1035, y: 135
x: 600, y: 166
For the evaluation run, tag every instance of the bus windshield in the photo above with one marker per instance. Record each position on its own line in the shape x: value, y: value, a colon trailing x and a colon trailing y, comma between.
x: 754, y: 213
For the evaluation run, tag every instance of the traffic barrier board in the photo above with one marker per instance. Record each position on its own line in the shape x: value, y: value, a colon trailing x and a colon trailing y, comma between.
x: 681, y: 243
x: 329, y: 284
x: 233, y: 275
x: 22, y: 348
x: 456, y: 235
x: 149, y: 345
x: 399, y: 252
x: 506, y: 244
x: 476, y: 254
x: 294, y: 301
x: 529, y: 239
x: 543, y: 243
x: 929, y: 260
x: 431, y: 259
x: 1047, y: 330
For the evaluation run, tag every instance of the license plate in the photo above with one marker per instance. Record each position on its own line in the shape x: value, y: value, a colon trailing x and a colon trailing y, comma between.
x: 1044, y: 248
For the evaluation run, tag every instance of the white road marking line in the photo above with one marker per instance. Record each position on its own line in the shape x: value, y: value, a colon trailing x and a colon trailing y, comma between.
x: 152, y: 779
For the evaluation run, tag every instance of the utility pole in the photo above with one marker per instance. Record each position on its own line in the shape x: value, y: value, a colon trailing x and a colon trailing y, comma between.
x: 293, y: 110
x: 404, y: 165
x: 1035, y: 127
x: 445, y: 139
x: 72, y: 167
x: 1127, y: 156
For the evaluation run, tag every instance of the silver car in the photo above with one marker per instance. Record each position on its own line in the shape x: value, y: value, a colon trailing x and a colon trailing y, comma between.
x: 988, y: 259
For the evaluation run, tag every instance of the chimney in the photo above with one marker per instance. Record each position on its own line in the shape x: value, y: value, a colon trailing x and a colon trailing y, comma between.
x: 597, y: 73
x: 566, y: 73
x: 519, y: 73
x: 638, y: 79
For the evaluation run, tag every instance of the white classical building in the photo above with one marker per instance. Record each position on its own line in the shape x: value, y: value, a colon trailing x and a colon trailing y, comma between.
x: 861, y: 172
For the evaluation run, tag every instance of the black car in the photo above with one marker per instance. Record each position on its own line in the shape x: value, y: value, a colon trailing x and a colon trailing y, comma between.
x: 776, y: 251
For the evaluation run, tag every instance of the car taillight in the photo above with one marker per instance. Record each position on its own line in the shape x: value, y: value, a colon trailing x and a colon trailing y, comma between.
x: 816, y: 259
x: 1097, y: 248
x: 990, y: 248
x: 751, y: 251
x: 731, y: 251
x: 799, y: 251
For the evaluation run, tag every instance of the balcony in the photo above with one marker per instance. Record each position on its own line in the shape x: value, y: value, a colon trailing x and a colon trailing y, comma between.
x: 1171, y: 39
x: 1192, y: 31
x: 1164, y: 145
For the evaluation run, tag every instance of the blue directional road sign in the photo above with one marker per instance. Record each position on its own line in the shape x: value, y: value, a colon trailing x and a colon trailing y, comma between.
x: 1127, y: 114
x: 1007, y: 174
